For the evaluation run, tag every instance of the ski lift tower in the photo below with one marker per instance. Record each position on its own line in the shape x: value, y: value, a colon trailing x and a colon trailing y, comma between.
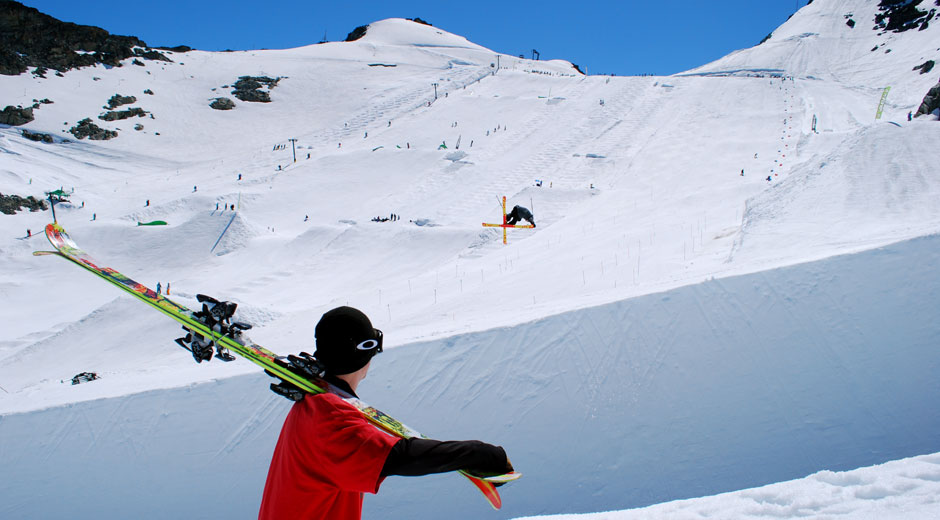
x: 58, y: 195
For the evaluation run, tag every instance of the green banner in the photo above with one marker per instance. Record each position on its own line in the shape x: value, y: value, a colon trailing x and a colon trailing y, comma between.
x: 881, y: 105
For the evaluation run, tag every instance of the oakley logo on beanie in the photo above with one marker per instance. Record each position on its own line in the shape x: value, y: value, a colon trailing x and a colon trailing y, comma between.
x: 346, y: 340
x: 368, y: 344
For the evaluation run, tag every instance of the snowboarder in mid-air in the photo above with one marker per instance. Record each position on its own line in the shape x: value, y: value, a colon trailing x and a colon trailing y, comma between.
x: 329, y: 454
x: 519, y: 213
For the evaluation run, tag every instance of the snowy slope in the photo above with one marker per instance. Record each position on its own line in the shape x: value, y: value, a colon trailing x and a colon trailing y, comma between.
x: 641, y: 193
x: 708, y: 388
x: 900, y: 489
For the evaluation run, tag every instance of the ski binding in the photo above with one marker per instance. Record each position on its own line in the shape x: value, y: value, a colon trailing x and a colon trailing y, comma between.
x: 217, y: 316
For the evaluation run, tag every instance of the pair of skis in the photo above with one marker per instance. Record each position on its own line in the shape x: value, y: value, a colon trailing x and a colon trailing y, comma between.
x: 212, y: 330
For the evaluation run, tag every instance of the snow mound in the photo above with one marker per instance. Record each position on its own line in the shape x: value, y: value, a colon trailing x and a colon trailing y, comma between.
x: 899, y: 489
x: 402, y: 32
x: 878, y: 186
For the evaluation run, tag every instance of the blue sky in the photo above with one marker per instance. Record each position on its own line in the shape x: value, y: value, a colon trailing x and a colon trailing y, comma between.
x: 625, y: 38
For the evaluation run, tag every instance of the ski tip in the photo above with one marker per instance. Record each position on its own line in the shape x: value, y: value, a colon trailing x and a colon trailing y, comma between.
x: 44, y: 253
x: 487, y: 488
x: 503, y: 479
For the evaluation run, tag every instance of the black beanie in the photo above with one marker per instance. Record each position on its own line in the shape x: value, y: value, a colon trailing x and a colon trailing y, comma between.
x: 346, y: 340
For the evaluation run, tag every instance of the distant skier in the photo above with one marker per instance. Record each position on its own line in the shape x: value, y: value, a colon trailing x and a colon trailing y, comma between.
x: 158, y: 288
x: 328, y: 455
x: 519, y: 213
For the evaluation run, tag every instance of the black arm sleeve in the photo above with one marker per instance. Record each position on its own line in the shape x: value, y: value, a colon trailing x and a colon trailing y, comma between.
x: 415, y: 457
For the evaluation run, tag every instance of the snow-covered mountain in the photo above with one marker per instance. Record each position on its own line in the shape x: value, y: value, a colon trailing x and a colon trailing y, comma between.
x: 731, y: 282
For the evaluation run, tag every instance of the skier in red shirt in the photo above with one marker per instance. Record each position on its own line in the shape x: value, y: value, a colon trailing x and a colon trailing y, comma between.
x: 328, y: 454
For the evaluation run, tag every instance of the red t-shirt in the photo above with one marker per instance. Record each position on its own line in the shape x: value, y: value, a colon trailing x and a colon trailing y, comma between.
x: 327, y: 456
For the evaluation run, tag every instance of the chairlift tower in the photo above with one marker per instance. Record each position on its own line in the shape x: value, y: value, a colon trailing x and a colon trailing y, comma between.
x: 292, y: 149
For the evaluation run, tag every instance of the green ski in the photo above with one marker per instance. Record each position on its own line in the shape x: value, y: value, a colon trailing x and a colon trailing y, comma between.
x: 211, y: 329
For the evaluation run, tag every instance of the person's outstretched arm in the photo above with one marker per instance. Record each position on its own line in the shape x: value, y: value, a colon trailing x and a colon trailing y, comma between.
x: 415, y: 457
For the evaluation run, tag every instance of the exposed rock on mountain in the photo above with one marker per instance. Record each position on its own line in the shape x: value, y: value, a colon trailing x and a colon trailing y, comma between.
x: 222, y: 103
x: 902, y: 15
x: 357, y: 33
x: 118, y: 100
x: 925, y: 67
x: 116, y: 115
x: 931, y: 101
x: 85, y: 128
x: 16, y: 116
x: 248, y: 88
x: 29, y: 38
x: 10, y: 204
x: 37, y: 136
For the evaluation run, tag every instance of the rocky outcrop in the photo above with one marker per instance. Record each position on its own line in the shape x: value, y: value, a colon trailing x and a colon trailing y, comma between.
x: 36, y: 136
x: 222, y: 103
x: 118, y: 100
x: 931, y: 101
x: 116, y: 115
x: 252, y: 96
x: 248, y: 88
x: 85, y: 128
x: 901, y: 15
x: 16, y: 116
x: 29, y: 38
x: 357, y: 33
x: 10, y: 204
x: 925, y: 67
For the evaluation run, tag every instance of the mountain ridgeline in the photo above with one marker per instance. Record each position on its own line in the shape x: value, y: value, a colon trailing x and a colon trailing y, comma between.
x: 31, y: 39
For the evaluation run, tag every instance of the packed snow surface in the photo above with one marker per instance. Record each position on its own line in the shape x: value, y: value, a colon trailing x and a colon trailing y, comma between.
x: 901, y: 490
x: 732, y: 282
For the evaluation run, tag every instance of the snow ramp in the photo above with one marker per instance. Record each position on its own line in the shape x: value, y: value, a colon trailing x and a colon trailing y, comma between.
x: 724, y: 385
